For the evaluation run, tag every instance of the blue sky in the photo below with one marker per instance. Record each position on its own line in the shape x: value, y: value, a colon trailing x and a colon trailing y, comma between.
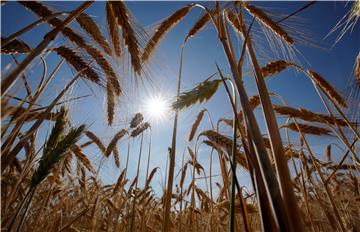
x: 201, y: 54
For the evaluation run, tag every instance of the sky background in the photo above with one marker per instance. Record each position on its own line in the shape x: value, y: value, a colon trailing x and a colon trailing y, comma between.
x: 309, y: 29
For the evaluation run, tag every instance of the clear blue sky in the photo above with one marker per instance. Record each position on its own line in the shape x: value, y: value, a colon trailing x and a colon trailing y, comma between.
x: 201, y: 53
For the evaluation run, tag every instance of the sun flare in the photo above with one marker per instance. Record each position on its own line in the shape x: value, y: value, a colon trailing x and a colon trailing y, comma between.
x: 157, y: 107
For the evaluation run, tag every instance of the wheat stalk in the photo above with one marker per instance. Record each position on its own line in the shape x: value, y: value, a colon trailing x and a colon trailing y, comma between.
x: 120, y: 181
x: 199, y: 25
x: 183, y: 175
x: 150, y: 177
x: 123, y: 20
x: 67, y: 163
x: 114, y: 141
x: 217, y: 138
x: 17, y: 113
x: 106, y: 66
x: 82, y: 158
x: 116, y: 156
x: 203, y: 92
x: 55, y: 153
x: 196, y: 125
x: 269, y: 23
x: 113, y: 29
x: 136, y: 120
x: 7, y: 82
x: 234, y: 22
x: 327, y: 87
x: 142, y: 127
x: 357, y: 70
x: 96, y: 140
x: 197, y: 166
x: 110, y: 102
x: 90, y: 26
x: 78, y: 63
x: 307, y: 115
x: 16, y: 46
x: 161, y: 31
x: 308, y: 129
x: 275, y: 67
x: 43, y: 11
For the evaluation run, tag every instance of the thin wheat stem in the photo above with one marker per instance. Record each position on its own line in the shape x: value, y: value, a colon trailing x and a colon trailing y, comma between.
x: 149, y: 156
x: 19, y: 209
x: 166, y: 225
x: 133, y: 212
x: 26, y: 209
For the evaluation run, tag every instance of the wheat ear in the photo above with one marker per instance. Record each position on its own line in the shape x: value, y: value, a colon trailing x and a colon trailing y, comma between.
x: 113, y: 29
x: 123, y: 20
x: 327, y: 87
x: 161, y: 31
x: 269, y: 23
x: 78, y: 63
x: 196, y: 125
x: 90, y: 26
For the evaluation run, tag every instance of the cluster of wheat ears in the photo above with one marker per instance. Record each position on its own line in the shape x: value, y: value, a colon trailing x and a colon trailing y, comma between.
x: 52, y: 185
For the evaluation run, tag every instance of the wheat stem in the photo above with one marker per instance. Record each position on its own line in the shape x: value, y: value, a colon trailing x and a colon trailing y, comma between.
x: 166, y: 225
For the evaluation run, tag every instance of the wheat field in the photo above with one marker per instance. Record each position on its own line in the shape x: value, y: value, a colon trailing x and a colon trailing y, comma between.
x: 96, y: 136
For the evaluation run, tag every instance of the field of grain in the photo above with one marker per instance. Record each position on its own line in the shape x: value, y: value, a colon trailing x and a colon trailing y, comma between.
x: 96, y: 136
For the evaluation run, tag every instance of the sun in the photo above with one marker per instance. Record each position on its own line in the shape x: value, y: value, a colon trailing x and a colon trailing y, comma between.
x: 157, y: 107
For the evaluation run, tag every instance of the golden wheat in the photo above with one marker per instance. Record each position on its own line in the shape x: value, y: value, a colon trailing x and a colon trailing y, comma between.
x: 196, y: 125
x: 90, y: 26
x: 163, y: 28
x: 327, y: 87
x: 199, y: 25
x: 114, y: 141
x: 123, y: 20
x: 78, y: 63
x: 113, y: 29
x: 308, y: 129
x: 269, y: 23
